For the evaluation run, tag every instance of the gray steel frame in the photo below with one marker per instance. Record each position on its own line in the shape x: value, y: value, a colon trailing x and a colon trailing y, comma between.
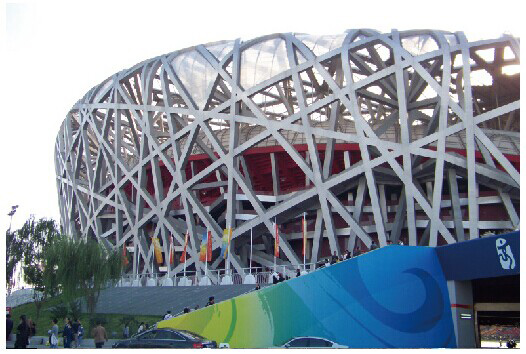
x: 145, y: 116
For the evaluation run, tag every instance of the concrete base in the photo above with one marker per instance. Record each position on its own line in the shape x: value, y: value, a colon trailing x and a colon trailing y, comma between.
x: 226, y: 280
x: 205, y: 281
x: 184, y: 281
x: 151, y: 282
x: 249, y: 279
x: 136, y: 283
x: 461, y: 298
x: 167, y: 282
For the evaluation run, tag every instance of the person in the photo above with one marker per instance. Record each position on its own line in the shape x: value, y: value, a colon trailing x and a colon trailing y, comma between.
x: 389, y: 242
x: 348, y: 254
x: 146, y: 327
x: 99, y: 335
x: 281, y: 278
x: 53, y: 334
x: 167, y: 315
x: 257, y: 287
x: 196, y: 307
x: 75, y: 329
x: 32, y: 327
x: 334, y: 258
x: 400, y: 242
x: 80, y: 333
x: 298, y: 273
x: 211, y: 301
x: 186, y: 310
x: 141, y: 328
x: 327, y: 263
x: 275, y: 278
x: 374, y: 245
x: 126, y: 331
x: 22, y: 335
x: 8, y: 326
x: 67, y: 333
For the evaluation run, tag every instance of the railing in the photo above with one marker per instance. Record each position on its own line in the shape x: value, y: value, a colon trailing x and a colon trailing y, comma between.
x: 215, y: 276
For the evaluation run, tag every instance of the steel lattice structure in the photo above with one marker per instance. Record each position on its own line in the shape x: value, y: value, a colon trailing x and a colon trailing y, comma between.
x: 372, y: 135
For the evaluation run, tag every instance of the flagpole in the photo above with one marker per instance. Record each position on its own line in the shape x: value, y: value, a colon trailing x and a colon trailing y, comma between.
x: 275, y: 227
x: 206, y: 254
x: 250, y: 250
x: 304, y: 240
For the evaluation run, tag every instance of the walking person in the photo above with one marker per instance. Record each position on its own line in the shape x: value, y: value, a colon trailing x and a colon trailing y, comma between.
x: 8, y: 326
x: 53, y: 334
x: 126, y: 331
x: 168, y: 315
x: 75, y: 328
x: 67, y: 333
x: 141, y: 328
x: 22, y: 335
x: 99, y: 335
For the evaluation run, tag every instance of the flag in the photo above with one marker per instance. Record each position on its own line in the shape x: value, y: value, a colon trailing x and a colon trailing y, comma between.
x: 183, y: 256
x: 227, y: 235
x: 276, y: 241
x: 202, y: 253
x: 124, y: 256
x: 158, y: 250
x: 209, y: 247
x: 171, y: 250
x: 304, y: 233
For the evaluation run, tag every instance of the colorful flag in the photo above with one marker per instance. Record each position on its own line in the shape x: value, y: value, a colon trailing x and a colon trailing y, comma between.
x: 209, y: 247
x: 202, y: 253
x: 158, y: 250
x: 276, y: 241
x: 183, y: 256
x: 171, y: 250
x: 304, y: 233
x: 124, y: 256
x: 227, y: 236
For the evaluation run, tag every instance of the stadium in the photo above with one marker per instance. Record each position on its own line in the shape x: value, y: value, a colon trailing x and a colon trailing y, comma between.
x: 220, y: 163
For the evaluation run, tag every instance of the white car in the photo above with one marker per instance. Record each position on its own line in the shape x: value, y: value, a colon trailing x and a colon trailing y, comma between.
x: 312, y: 342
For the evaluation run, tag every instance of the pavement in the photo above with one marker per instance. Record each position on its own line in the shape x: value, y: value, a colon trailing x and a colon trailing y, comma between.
x: 39, y: 342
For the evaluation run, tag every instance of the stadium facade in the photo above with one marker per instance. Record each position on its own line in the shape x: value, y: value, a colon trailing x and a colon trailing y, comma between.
x: 370, y: 136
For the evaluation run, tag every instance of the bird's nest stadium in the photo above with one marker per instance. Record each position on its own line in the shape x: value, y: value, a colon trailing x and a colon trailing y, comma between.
x: 369, y: 136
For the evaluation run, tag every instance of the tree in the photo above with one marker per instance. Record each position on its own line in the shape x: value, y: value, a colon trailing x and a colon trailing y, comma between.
x: 81, y: 268
x: 14, y: 254
x: 36, y: 236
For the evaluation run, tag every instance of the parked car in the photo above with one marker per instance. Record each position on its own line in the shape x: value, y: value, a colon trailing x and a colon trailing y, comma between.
x: 166, y: 338
x: 312, y: 342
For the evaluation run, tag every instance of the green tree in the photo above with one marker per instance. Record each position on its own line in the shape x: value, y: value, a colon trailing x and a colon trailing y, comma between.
x: 36, y: 237
x: 81, y: 268
x: 14, y: 255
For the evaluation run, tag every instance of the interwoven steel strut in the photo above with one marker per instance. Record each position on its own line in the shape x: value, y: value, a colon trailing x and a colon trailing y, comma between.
x: 374, y: 136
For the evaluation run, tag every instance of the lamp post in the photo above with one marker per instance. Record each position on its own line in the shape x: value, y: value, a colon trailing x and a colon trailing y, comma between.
x: 11, y: 213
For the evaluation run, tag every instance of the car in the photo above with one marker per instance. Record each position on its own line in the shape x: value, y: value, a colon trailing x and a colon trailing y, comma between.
x: 311, y: 342
x: 166, y: 338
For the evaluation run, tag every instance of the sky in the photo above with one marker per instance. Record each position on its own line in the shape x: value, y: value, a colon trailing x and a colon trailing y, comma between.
x: 52, y: 53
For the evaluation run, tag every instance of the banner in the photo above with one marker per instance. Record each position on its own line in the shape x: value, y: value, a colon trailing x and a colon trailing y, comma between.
x: 125, y: 261
x: 158, y: 250
x: 304, y: 234
x: 227, y: 236
x: 183, y: 256
x: 276, y: 241
x: 206, y: 247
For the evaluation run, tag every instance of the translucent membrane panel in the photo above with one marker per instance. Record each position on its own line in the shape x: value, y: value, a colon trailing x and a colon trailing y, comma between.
x: 219, y: 50
x: 196, y: 74
x: 421, y: 44
x: 263, y: 61
x: 321, y: 44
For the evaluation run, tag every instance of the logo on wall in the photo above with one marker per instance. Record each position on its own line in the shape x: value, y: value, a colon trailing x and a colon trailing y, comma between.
x: 505, y: 255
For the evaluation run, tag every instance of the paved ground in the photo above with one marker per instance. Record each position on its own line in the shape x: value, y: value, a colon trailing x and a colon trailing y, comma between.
x: 36, y: 343
x: 157, y: 300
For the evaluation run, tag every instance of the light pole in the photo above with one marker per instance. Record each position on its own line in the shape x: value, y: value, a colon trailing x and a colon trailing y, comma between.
x: 11, y: 213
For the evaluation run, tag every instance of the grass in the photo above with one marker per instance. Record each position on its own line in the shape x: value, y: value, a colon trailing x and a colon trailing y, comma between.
x: 113, y: 324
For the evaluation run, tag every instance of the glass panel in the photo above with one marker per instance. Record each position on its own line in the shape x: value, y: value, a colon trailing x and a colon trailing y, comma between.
x: 147, y: 335
x: 168, y: 335
x: 321, y: 44
x: 319, y: 343
x: 263, y: 61
x: 299, y: 343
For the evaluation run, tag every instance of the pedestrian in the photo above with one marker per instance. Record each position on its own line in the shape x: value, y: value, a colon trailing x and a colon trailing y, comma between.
x: 67, y: 333
x: 22, y: 335
x: 32, y: 328
x: 99, y: 335
x: 80, y: 334
x: 126, y: 331
x: 196, y: 307
x: 298, y: 272
x: 327, y: 262
x: 334, y: 258
x: 275, y: 278
x: 186, y: 310
x: 168, y: 315
x: 374, y: 245
x: 75, y: 329
x: 53, y: 334
x: 400, y: 242
x: 8, y: 326
x: 141, y: 328
x: 389, y: 242
x: 211, y: 301
x: 348, y: 254
x: 257, y: 287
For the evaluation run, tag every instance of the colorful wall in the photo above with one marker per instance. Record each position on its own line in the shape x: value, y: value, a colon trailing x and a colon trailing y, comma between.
x: 393, y: 297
